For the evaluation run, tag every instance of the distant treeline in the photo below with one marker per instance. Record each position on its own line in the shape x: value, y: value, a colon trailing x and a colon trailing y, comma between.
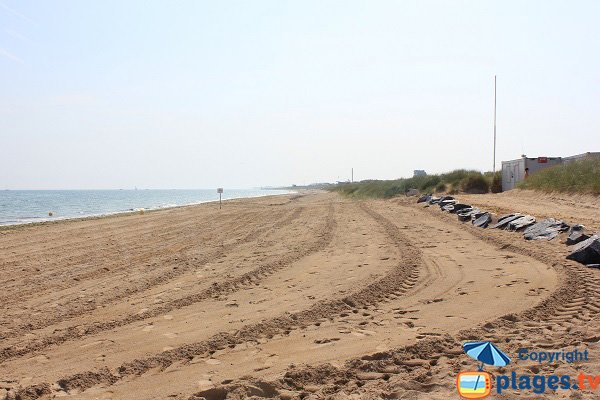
x: 459, y: 180
x: 575, y: 177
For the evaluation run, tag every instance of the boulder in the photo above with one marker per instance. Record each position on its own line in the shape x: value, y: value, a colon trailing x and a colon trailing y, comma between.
x: 477, y: 213
x: 483, y: 220
x: 458, y: 207
x: 455, y: 208
x: 464, y: 214
x: 462, y: 217
x: 447, y: 207
x: 546, y: 229
x: 505, y: 219
x: 424, y: 199
x: 576, y: 235
x: 521, y: 223
x: 434, y: 200
x: 467, y: 214
x: 587, y: 252
x: 444, y: 203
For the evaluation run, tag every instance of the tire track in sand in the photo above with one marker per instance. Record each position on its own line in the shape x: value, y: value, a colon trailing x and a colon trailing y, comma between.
x: 577, y: 297
x: 396, y: 282
x: 229, y: 286
x: 422, y: 367
x: 160, y: 278
x: 126, y: 255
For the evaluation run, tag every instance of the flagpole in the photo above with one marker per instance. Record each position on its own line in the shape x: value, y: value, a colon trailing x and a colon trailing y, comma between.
x: 494, y: 167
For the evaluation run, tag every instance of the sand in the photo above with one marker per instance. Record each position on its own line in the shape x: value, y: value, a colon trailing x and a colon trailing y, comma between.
x: 297, y: 296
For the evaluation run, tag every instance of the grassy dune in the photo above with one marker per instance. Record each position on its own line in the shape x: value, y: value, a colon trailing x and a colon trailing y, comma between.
x: 576, y: 177
x: 451, y: 182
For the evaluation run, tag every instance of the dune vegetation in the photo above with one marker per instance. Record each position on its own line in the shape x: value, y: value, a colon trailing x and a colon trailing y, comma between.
x: 575, y: 177
x: 459, y: 180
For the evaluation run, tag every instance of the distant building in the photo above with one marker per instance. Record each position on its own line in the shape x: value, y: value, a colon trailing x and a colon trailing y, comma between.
x: 419, y: 172
x: 515, y: 171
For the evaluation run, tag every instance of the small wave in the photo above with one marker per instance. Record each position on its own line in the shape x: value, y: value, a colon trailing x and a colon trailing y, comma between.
x: 102, y: 201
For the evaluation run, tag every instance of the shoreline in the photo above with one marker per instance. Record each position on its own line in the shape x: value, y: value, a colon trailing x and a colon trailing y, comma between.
x: 12, y: 226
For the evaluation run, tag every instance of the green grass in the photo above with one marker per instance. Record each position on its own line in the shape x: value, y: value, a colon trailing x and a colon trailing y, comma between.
x: 460, y: 179
x: 576, y: 177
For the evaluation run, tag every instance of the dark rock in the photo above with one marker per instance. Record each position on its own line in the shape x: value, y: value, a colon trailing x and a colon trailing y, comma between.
x: 477, y: 213
x: 434, y: 200
x: 546, y: 229
x: 576, y: 235
x: 458, y: 207
x: 505, y: 219
x: 521, y: 223
x: 464, y: 218
x: 444, y: 203
x: 483, y: 220
x: 587, y: 252
x: 466, y: 214
x: 448, y: 207
x: 425, y: 198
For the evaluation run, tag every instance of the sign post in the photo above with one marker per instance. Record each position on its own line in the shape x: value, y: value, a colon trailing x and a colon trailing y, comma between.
x: 220, y: 191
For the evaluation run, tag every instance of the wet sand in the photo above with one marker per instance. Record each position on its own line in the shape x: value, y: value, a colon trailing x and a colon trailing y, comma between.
x: 297, y: 296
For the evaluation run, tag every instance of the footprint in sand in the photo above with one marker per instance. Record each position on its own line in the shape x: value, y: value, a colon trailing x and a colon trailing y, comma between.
x: 205, y: 384
x: 148, y: 328
x: 326, y: 341
x: 213, y: 361
x: 26, y: 381
x: 382, y: 347
x: 170, y: 335
x: 97, y: 343
x: 168, y: 317
x: 41, y: 359
x: 271, y: 360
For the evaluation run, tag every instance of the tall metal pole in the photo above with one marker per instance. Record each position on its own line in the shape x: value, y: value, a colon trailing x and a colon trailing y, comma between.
x: 494, y: 168
x: 352, y: 178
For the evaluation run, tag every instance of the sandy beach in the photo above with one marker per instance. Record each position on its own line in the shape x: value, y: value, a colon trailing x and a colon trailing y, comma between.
x: 308, y: 295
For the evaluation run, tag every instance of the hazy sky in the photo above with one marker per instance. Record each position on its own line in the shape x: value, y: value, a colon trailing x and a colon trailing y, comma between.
x: 199, y: 94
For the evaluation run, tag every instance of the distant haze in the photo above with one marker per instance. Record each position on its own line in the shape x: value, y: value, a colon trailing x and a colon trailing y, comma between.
x: 201, y: 94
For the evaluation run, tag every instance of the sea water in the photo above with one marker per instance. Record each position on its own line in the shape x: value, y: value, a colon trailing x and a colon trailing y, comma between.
x: 27, y: 206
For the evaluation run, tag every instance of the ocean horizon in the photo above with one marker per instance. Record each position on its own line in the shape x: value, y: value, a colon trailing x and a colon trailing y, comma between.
x: 30, y: 206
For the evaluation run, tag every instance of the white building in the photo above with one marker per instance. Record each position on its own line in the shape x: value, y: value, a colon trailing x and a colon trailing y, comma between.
x: 515, y: 171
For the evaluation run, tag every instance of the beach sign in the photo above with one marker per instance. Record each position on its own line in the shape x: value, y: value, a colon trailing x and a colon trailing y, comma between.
x: 220, y: 191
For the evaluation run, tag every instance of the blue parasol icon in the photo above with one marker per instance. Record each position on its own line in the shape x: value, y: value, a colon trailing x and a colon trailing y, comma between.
x: 486, y: 353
